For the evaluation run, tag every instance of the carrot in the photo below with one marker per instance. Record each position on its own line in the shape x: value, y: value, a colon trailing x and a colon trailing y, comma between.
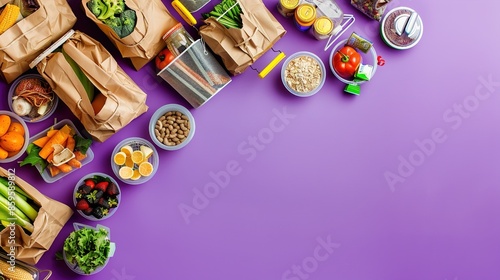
x: 40, y: 142
x: 58, y: 138
x: 65, y: 167
x: 50, y: 158
x: 51, y: 132
x: 54, y: 170
x: 79, y: 155
x: 74, y: 163
x: 70, y: 143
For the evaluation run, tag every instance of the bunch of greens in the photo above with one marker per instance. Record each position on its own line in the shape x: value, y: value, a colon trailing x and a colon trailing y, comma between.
x: 87, y: 248
x: 115, y: 14
x: 227, y: 13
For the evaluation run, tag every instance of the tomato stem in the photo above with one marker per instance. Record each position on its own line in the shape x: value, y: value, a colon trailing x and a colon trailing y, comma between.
x: 345, y: 58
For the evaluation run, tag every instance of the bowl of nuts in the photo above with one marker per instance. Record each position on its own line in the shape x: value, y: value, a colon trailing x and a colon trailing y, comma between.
x: 172, y: 127
x: 303, y: 74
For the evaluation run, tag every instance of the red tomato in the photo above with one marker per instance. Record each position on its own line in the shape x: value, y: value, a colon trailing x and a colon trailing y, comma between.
x: 164, y: 58
x: 346, y: 62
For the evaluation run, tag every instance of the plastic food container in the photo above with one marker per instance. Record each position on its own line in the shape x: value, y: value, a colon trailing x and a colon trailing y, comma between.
x: 111, y: 210
x: 303, y: 74
x: 21, y: 267
x: 369, y: 58
x: 287, y: 7
x: 33, y: 116
x: 322, y: 28
x: 16, y: 118
x: 162, y: 111
x: 46, y: 174
x: 74, y: 267
x: 135, y: 144
x: 195, y: 74
x: 402, y: 28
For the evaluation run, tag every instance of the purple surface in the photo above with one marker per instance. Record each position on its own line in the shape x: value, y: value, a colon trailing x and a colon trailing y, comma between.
x: 310, y: 200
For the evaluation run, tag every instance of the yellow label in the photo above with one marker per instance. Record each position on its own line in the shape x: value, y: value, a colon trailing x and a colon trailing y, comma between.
x: 323, y: 25
x: 306, y: 12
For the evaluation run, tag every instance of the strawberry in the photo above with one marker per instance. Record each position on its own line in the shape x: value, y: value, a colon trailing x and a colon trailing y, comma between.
x: 112, y: 189
x: 82, y: 205
x: 90, y: 183
x: 102, y: 186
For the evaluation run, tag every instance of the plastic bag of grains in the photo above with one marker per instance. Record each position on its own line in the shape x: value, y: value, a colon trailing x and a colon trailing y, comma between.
x: 374, y: 9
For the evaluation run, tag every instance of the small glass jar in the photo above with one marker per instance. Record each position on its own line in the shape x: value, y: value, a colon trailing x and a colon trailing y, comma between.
x: 323, y: 27
x: 287, y: 7
x: 177, y: 39
x: 305, y: 15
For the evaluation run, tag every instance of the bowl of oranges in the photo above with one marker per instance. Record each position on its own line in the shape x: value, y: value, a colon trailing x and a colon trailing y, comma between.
x: 134, y: 160
x: 14, y: 136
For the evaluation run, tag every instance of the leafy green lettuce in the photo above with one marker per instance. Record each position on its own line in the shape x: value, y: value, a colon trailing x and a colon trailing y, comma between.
x: 87, y: 248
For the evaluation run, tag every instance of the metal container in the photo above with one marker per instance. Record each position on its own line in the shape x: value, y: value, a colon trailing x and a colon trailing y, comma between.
x: 401, y: 28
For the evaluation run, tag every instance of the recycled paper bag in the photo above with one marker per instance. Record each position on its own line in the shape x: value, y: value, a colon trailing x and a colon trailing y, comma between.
x: 124, y: 100
x: 26, y: 39
x: 145, y: 42
x: 240, y: 48
x: 52, y: 216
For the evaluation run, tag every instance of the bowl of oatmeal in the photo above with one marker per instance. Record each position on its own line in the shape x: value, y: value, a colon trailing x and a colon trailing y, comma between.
x: 303, y: 74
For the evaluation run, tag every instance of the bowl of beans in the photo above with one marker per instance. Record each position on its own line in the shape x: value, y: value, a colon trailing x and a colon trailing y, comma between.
x: 172, y: 127
x: 303, y: 74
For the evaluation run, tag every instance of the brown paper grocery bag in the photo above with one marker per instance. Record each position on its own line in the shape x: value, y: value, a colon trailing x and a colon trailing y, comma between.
x: 26, y: 39
x: 240, y: 48
x: 145, y: 42
x: 124, y: 100
x: 52, y: 216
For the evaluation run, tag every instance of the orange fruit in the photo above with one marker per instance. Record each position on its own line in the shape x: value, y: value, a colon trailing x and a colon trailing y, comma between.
x: 145, y: 168
x: 16, y: 127
x: 12, y: 141
x: 127, y: 149
x: 98, y: 102
x: 5, y: 121
x: 136, y: 175
x: 120, y: 158
x: 137, y: 157
x: 3, y: 154
x: 125, y: 172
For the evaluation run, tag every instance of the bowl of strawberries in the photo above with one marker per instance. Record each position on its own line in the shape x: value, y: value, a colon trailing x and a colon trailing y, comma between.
x: 96, y: 196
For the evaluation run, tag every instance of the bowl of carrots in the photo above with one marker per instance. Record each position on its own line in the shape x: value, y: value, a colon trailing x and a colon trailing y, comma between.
x: 58, y: 151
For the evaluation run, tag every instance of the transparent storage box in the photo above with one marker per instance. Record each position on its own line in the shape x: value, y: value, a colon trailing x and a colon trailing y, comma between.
x: 196, y: 74
x: 19, y: 269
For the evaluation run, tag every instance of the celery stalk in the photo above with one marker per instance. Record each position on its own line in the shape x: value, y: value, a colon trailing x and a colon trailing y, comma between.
x: 21, y: 204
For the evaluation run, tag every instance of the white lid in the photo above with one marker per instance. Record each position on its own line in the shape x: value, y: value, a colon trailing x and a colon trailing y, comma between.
x: 54, y: 46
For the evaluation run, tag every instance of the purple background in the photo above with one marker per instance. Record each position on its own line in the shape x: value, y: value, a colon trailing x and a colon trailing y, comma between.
x: 321, y: 177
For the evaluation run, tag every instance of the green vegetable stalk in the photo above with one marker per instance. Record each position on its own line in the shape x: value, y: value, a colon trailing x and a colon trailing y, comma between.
x: 228, y: 13
x: 21, y: 204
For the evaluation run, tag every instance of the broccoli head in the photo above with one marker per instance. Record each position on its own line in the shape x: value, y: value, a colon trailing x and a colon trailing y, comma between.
x: 129, y: 18
x: 114, y: 7
x: 97, y: 7
x: 116, y: 24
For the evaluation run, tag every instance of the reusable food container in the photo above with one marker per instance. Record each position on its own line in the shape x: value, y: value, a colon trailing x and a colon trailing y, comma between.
x: 193, y: 5
x: 46, y: 174
x: 15, y: 118
x: 402, y: 28
x: 322, y: 28
x: 21, y: 269
x: 52, y: 105
x: 195, y: 74
x: 74, y: 267
x: 305, y: 15
x: 369, y: 58
x: 287, y: 7
x: 171, y: 108
x: 82, y: 181
x: 177, y: 39
x: 298, y: 76
x: 135, y: 143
